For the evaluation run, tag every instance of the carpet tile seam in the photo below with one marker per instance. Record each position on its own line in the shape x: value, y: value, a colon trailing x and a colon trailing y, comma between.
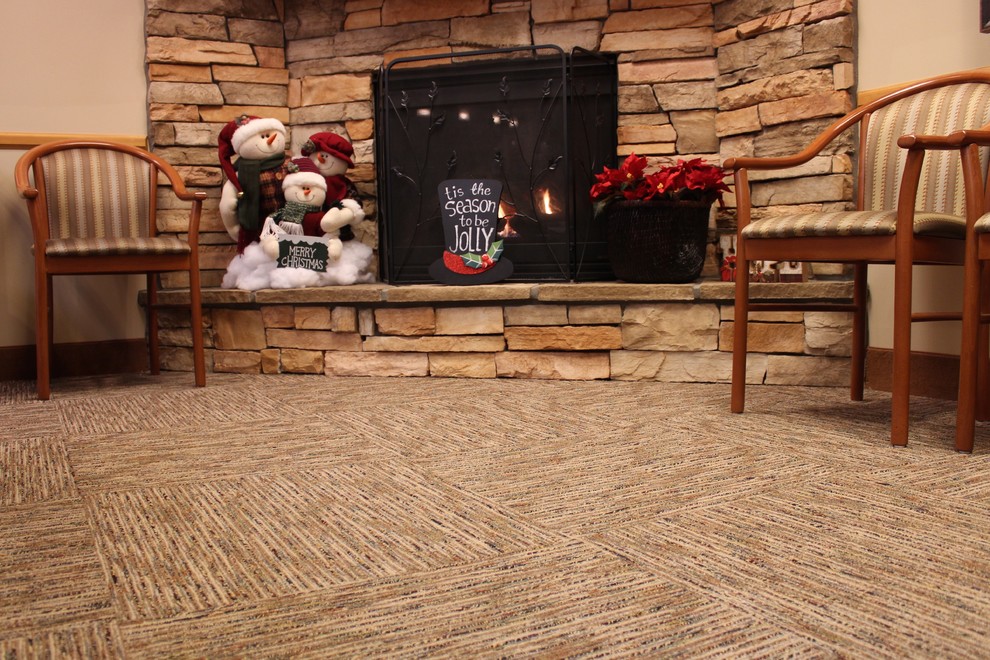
x: 646, y: 558
x: 408, y: 579
x: 739, y: 601
x: 499, y: 511
x: 647, y: 564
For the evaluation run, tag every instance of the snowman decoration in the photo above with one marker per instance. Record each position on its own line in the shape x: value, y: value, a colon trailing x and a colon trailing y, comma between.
x: 332, y: 155
x: 303, y: 212
x: 305, y: 191
x: 253, y: 189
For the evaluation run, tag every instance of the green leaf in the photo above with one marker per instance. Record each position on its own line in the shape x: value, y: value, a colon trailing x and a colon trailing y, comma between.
x: 495, y: 249
x: 600, y: 205
x: 471, y: 260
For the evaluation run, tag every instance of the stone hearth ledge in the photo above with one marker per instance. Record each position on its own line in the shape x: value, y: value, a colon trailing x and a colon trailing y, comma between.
x: 552, y: 330
x: 380, y: 294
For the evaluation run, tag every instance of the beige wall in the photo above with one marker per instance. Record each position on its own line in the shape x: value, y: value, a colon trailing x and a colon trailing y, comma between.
x: 67, y: 67
x: 91, y: 79
x: 898, y: 42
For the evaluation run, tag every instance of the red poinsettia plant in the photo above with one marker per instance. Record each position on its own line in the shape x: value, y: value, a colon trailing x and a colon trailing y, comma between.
x: 686, y: 180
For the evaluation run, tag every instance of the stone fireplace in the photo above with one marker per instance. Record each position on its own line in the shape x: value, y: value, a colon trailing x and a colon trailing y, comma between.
x: 695, y: 78
x: 710, y: 79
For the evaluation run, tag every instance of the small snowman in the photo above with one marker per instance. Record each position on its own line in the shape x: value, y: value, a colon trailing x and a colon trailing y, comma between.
x: 332, y: 155
x: 305, y: 191
x: 253, y: 188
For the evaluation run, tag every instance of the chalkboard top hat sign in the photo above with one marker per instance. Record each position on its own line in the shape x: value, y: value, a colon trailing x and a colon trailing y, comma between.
x: 474, y: 250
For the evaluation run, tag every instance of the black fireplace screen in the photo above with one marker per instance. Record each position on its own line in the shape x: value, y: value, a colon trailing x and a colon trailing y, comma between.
x: 538, y: 120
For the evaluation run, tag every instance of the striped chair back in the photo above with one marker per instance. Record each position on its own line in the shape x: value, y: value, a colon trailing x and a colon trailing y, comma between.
x: 97, y: 193
x: 936, y: 111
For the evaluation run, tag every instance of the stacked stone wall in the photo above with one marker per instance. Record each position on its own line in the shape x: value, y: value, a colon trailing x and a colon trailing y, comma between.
x: 712, y: 79
x: 673, y: 333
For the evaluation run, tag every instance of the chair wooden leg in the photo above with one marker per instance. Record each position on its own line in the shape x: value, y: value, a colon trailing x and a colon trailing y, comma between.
x: 857, y: 378
x: 969, y: 352
x: 43, y: 334
x: 151, y: 319
x: 196, y: 319
x: 983, y: 348
x: 740, y: 331
x: 983, y: 374
x: 901, y: 376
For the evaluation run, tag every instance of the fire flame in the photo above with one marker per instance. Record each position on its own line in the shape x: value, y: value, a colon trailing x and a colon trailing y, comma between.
x: 505, y: 212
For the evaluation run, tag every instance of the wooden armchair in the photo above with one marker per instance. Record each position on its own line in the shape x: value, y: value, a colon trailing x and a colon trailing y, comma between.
x: 92, y: 206
x: 974, y: 353
x: 909, y: 209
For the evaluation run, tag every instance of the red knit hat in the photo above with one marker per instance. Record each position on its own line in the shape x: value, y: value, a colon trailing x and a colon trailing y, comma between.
x: 331, y: 143
x: 235, y: 134
x: 303, y: 172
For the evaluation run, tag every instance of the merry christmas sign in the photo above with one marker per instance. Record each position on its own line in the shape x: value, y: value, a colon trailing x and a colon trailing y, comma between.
x: 309, y: 252
x: 473, y: 251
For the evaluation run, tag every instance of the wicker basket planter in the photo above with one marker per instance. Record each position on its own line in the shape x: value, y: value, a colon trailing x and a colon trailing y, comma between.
x: 659, y: 241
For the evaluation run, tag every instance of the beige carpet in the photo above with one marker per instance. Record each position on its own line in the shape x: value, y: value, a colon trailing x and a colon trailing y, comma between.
x: 303, y: 516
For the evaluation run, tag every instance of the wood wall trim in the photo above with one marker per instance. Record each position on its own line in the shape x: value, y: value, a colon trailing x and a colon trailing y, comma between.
x: 77, y: 359
x: 934, y: 375
x: 24, y: 141
x: 867, y: 95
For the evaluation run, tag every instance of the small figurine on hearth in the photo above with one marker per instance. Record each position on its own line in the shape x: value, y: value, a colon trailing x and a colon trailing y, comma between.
x: 332, y: 155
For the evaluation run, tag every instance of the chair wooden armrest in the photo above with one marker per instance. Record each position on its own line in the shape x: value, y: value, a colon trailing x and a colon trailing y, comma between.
x: 23, y: 185
x: 783, y: 162
x: 822, y: 140
x: 916, y: 141
x: 176, y: 181
x: 954, y: 140
x: 979, y: 136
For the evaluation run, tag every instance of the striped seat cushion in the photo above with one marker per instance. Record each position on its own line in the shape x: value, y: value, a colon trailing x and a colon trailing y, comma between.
x: 97, y: 194
x: 92, y: 247
x: 852, y: 223
x: 983, y: 224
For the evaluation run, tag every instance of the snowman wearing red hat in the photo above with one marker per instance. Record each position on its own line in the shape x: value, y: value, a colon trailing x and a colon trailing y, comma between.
x: 253, y: 189
x: 332, y: 155
x: 305, y: 190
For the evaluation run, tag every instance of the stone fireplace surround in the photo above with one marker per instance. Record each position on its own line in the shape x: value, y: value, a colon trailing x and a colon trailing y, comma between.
x: 696, y: 78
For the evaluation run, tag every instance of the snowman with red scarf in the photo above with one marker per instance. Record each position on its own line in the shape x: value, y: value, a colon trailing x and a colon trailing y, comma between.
x: 332, y: 155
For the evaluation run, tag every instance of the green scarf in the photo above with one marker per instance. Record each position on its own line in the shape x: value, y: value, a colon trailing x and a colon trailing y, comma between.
x: 294, y: 212
x: 249, y: 175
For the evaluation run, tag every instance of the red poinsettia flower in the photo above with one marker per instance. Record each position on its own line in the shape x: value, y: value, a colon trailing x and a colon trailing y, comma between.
x: 626, y: 181
x: 687, y: 179
x: 633, y: 167
x: 702, y: 177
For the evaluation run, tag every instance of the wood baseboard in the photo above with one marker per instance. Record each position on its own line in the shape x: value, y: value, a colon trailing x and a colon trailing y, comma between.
x: 933, y: 375
x: 77, y: 359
